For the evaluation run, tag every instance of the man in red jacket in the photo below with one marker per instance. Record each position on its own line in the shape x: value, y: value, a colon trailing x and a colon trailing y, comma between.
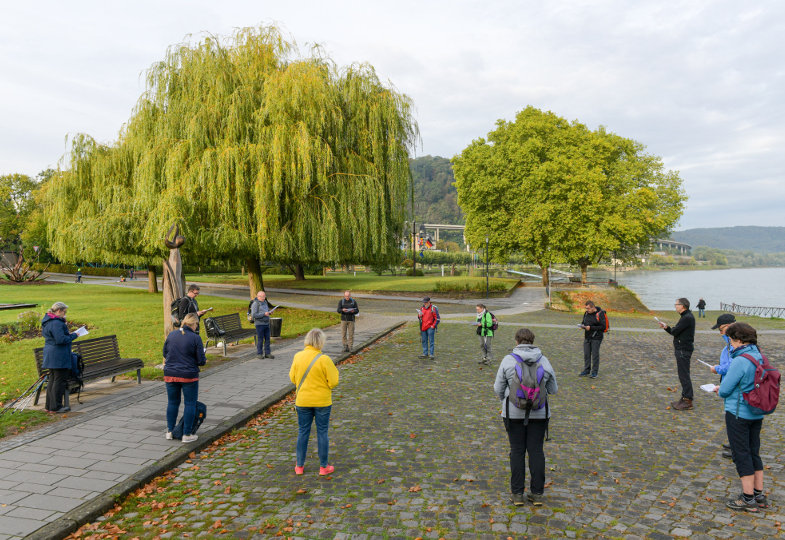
x: 429, y: 321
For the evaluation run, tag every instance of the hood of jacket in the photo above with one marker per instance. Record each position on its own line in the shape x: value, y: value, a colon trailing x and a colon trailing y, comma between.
x: 528, y: 353
x: 50, y: 317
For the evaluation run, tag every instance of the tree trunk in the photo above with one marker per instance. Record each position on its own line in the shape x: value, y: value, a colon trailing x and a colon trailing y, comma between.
x: 152, y: 280
x: 544, y: 270
x: 298, y: 271
x: 255, y: 280
x: 584, y: 272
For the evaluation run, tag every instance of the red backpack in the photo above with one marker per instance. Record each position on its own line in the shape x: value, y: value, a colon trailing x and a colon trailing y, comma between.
x: 765, y: 392
x: 602, y: 316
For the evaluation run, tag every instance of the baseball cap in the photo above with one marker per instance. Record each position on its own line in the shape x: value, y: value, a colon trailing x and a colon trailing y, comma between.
x: 426, y: 299
x: 725, y: 318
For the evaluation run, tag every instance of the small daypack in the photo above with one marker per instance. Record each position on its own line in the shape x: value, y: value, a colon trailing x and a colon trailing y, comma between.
x: 528, y: 389
x: 76, y: 376
x: 765, y: 393
x: 602, y: 315
x: 250, y: 306
x: 495, y: 325
x: 201, y: 414
x: 174, y: 308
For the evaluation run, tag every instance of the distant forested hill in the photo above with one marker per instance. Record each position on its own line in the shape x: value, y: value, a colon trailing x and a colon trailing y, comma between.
x: 746, y: 238
x: 435, y: 198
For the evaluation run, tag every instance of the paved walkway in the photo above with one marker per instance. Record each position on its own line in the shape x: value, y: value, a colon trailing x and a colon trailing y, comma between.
x: 116, y: 440
x: 420, y: 451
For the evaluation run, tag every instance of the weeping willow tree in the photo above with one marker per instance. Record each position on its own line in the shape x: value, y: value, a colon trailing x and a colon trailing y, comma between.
x: 257, y: 152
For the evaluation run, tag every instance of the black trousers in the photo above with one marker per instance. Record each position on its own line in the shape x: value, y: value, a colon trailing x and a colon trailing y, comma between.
x: 744, y: 439
x: 525, y: 439
x: 56, y: 387
x: 683, y: 367
x: 591, y: 355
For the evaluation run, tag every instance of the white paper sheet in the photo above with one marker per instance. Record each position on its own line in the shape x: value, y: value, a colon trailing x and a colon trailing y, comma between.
x: 81, y: 331
x: 708, y: 387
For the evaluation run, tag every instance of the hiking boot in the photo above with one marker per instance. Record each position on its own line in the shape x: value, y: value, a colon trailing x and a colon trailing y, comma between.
x: 517, y: 499
x: 593, y: 376
x: 761, y: 501
x: 683, y: 404
x: 583, y: 373
x: 270, y: 356
x: 190, y: 438
x: 423, y: 356
x: 63, y: 410
x: 324, y: 471
x: 432, y: 357
x: 726, y: 446
x: 727, y: 454
x: 535, y: 498
x: 738, y: 503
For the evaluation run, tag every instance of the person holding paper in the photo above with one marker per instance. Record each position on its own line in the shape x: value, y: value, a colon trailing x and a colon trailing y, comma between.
x: 594, y: 326
x: 347, y: 307
x: 261, y: 309
x: 743, y: 423
x: 429, y: 322
x: 188, y: 304
x: 57, y: 356
x: 683, y: 345
x: 723, y: 322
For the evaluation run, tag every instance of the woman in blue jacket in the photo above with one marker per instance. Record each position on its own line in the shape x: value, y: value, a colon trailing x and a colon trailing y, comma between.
x: 743, y: 423
x: 183, y: 353
x: 57, y: 356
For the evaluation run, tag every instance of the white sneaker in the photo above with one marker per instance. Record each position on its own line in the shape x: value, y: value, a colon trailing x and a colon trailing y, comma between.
x: 168, y: 435
x: 190, y: 438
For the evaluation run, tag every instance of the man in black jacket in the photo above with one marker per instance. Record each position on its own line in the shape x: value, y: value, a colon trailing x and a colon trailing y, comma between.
x: 188, y: 304
x: 347, y: 307
x: 683, y: 344
x: 594, y: 326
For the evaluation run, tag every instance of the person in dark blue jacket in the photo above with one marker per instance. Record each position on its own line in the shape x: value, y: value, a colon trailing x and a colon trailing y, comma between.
x: 743, y: 423
x: 183, y: 354
x: 57, y: 356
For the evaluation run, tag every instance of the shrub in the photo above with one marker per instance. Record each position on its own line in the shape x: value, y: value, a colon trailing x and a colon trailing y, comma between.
x: 418, y: 272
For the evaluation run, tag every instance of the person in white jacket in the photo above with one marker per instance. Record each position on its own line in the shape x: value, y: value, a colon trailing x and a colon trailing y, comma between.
x: 526, y: 434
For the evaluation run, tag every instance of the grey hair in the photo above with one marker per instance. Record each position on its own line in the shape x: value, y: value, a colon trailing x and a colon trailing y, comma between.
x: 315, y: 338
x: 57, y: 306
x: 191, y: 321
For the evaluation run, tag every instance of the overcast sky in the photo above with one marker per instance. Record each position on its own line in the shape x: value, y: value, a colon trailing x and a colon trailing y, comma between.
x: 700, y: 83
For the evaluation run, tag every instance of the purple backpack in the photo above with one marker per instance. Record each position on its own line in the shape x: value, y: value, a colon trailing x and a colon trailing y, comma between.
x: 528, y: 389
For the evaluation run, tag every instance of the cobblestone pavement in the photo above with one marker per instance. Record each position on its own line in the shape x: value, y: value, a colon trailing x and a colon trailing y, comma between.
x: 420, y: 451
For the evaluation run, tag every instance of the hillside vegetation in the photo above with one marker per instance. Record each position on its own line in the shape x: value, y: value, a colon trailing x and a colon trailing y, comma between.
x: 742, y: 238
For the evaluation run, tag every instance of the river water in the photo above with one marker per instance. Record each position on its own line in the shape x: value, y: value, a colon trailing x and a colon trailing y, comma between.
x: 743, y: 286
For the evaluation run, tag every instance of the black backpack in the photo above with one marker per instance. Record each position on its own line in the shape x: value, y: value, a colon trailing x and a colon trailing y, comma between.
x: 201, y: 414
x: 174, y: 308
x: 75, y: 377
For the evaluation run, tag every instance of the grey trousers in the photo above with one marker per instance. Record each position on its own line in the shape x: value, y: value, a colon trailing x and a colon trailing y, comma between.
x: 485, y: 346
x: 347, y: 333
x: 591, y: 355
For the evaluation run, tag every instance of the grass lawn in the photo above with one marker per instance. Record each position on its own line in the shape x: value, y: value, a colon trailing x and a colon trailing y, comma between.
x: 367, y: 282
x: 13, y: 424
x: 134, y: 316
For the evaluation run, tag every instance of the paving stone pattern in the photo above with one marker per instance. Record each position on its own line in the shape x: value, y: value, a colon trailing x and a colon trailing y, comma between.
x: 420, y: 451
x: 59, y: 468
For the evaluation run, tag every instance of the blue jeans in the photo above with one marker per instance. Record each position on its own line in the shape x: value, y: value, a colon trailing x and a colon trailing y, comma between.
x: 263, y: 339
x: 701, y: 312
x: 305, y: 416
x: 428, y: 335
x: 190, y: 392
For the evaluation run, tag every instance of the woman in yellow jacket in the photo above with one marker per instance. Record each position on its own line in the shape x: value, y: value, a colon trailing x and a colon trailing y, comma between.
x: 315, y: 375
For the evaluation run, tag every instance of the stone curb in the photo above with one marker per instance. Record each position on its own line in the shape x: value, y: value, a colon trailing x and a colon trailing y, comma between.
x: 90, y: 510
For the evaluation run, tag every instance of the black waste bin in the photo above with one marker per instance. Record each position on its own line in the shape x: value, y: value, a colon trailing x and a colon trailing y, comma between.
x: 275, y: 326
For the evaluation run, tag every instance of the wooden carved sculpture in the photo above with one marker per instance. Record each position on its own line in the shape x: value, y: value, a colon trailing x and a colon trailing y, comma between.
x: 173, y: 279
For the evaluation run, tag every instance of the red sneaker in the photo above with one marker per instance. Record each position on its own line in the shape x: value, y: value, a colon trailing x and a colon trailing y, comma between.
x: 299, y: 470
x: 324, y: 471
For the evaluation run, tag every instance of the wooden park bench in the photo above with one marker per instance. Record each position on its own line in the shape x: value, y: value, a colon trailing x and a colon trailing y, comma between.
x: 101, y: 358
x: 227, y: 328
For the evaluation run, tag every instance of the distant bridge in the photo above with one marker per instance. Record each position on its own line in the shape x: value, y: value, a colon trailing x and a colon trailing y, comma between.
x: 681, y: 247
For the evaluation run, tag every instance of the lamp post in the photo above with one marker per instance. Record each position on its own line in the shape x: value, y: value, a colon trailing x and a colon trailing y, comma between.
x: 486, y: 267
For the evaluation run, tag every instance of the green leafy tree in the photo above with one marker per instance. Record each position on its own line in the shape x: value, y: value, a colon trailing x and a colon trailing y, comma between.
x: 258, y: 153
x: 554, y: 191
x: 16, y: 205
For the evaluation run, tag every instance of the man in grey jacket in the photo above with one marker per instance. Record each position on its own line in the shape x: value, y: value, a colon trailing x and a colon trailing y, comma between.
x: 525, y: 436
x: 260, y: 313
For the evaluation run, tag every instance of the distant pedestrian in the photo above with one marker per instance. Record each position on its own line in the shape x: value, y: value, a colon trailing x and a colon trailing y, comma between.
x: 78, y: 275
x: 593, y: 325
x: 702, y: 308
x: 526, y: 430
x: 315, y: 375
x: 261, y: 308
x: 183, y: 354
x: 723, y: 322
x: 57, y: 356
x: 131, y: 273
x: 189, y: 304
x: 429, y: 322
x: 683, y: 345
x: 348, y: 309
x: 742, y: 422
x: 485, y: 331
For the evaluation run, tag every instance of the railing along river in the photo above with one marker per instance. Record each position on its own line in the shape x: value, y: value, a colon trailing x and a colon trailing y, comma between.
x: 757, y: 311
